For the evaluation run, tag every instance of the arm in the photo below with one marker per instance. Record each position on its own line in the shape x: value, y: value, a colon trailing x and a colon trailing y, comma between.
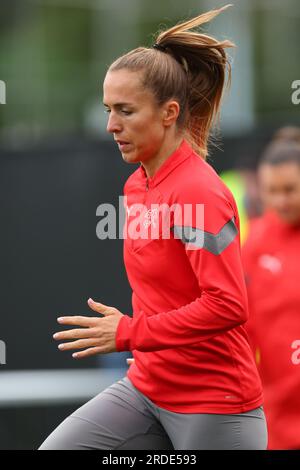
x: 217, y: 266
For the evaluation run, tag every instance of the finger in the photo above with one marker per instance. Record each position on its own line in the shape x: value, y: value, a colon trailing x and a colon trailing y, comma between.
x: 130, y: 360
x: 78, y: 320
x: 76, y: 333
x: 98, y: 306
x: 79, y: 344
x: 89, y: 352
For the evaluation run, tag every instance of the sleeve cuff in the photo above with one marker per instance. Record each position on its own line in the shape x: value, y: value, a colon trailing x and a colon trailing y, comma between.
x: 123, y: 334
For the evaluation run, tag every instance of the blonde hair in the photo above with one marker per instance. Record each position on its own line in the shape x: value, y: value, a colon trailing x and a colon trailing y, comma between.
x: 189, y: 67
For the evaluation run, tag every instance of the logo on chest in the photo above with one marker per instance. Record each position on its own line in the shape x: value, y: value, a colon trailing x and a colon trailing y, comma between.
x: 150, y: 218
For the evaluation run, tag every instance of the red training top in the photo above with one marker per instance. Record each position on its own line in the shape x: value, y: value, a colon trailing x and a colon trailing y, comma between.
x: 271, y: 259
x: 189, y: 299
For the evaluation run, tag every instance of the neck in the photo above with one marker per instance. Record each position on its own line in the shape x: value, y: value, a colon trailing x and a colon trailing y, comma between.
x: 167, y: 148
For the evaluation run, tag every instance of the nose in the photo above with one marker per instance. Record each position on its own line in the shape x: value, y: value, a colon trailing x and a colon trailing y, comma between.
x: 113, y: 123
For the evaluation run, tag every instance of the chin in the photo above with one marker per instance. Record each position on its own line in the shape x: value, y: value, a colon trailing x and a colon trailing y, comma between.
x: 130, y: 158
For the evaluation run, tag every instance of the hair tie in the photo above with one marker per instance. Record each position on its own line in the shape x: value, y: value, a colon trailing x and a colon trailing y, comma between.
x: 159, y: 47
x: 181, y: 60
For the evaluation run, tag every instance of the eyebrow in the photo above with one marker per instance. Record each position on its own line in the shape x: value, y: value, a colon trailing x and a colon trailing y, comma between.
x: 118, y: 105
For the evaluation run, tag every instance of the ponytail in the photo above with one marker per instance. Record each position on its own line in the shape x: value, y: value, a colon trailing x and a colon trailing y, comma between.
x: 187, y: 66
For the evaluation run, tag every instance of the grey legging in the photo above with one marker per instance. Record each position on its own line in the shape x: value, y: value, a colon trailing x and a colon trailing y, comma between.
x: 121, y: 417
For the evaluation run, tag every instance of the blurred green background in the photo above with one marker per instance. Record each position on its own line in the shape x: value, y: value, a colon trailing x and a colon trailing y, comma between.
x: 54, y: 54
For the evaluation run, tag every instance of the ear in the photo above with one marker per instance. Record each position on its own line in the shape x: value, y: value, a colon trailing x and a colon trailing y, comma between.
x: 170, y: 112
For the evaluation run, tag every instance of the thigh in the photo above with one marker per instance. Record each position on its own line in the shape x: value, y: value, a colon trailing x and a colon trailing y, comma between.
x: 117, y: 418
x: 243, y: 431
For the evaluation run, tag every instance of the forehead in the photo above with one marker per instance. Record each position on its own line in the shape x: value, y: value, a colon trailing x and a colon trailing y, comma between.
x: 123, y: 86
x: 288, y: 172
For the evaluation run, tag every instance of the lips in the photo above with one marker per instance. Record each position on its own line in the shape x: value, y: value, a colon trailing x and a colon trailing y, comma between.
x: 123, y: 145
x: 122, y: 142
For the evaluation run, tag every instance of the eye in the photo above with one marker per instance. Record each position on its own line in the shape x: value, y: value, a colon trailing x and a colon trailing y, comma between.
x: 107, y: 110
x: 127, y: 113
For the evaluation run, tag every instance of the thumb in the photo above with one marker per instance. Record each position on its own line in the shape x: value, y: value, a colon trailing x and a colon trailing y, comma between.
x: 98, y: 307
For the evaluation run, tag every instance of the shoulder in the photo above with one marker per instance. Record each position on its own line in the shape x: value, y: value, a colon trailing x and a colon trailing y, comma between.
x: 259, y: 227
x: 258, y: 236
x: 199, y: 185
x: 199, y: 179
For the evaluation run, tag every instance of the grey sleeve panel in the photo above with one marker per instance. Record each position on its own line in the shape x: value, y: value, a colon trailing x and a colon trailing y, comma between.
x: 215, y: 244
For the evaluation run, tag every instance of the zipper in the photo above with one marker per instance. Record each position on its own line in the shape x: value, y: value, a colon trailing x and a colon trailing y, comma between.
x: 147, y: 185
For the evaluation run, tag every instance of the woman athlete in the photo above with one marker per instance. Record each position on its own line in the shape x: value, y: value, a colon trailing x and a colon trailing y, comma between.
x: 193, y: 383
x: 271, y: 260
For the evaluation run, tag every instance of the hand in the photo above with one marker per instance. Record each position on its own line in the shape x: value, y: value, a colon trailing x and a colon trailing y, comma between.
x: 130, y: 360
x: 97, y: 335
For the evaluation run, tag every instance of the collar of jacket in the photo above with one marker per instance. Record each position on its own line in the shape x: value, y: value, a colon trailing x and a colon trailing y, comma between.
x: 178, y: 156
